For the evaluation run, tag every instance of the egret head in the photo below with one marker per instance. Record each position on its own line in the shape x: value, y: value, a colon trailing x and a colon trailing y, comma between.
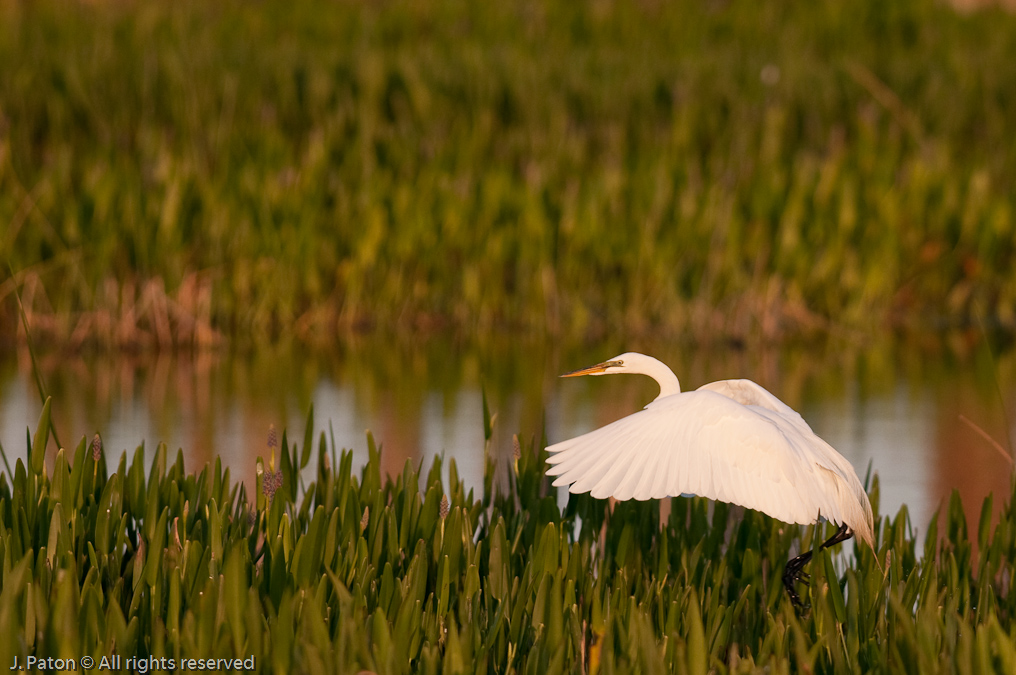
x: 636, y: 364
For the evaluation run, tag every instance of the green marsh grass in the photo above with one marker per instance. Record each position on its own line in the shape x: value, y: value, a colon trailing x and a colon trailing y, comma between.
x: 176, y: 173
x: 355, y: 571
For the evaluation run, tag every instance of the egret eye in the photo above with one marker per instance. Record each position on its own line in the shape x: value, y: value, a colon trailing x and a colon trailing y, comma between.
x: 620, y: 363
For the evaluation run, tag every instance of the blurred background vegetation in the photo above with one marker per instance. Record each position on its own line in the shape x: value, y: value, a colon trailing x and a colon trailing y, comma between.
x: 186, y: 173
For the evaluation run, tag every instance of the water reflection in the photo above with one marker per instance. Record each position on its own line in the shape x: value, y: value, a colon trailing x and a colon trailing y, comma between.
x: 893, y: 408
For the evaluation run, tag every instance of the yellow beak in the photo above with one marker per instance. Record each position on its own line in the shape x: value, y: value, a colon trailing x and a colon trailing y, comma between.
x: 591, y: 370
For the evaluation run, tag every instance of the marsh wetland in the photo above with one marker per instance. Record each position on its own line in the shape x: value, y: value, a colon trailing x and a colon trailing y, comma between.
x: 410, y: 217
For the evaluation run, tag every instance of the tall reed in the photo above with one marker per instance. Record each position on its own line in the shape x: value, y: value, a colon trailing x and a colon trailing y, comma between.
x: 408, y: 573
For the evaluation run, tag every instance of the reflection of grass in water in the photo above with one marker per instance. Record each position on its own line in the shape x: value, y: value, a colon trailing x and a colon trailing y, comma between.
x: 386, y: 374
x: 406, y: 574
x: 618, y: 168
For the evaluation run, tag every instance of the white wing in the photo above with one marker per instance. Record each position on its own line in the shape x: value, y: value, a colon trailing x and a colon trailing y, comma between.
x: 761, y: 455
x: 747, y: 392
x: 752, y: 394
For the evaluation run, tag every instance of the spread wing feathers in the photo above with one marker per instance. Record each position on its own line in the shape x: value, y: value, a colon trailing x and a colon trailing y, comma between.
x: 751, y: 393
x: 707, y: 443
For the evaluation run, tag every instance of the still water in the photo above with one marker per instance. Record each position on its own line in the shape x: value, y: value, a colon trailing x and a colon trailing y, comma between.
x: 925, y: 418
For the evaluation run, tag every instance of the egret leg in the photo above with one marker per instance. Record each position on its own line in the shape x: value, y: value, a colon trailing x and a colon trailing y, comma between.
x: 794, y: 571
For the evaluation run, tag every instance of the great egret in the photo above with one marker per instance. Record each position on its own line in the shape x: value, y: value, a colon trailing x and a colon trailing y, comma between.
x: 730, y: 440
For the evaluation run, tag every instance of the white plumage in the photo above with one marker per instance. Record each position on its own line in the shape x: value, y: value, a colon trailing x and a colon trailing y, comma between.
x: 729, y: 440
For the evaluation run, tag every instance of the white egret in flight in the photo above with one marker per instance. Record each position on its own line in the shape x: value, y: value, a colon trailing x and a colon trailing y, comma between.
x: 730, y: 440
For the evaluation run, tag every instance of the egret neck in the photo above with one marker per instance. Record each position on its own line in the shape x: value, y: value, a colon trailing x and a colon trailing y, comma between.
x: 656, y: 369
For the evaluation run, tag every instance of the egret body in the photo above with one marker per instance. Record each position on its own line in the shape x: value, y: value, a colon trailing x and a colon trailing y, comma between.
x: 730, y: 440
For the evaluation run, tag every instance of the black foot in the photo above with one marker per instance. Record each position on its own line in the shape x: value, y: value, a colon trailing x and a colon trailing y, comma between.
x: 794, y: 571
